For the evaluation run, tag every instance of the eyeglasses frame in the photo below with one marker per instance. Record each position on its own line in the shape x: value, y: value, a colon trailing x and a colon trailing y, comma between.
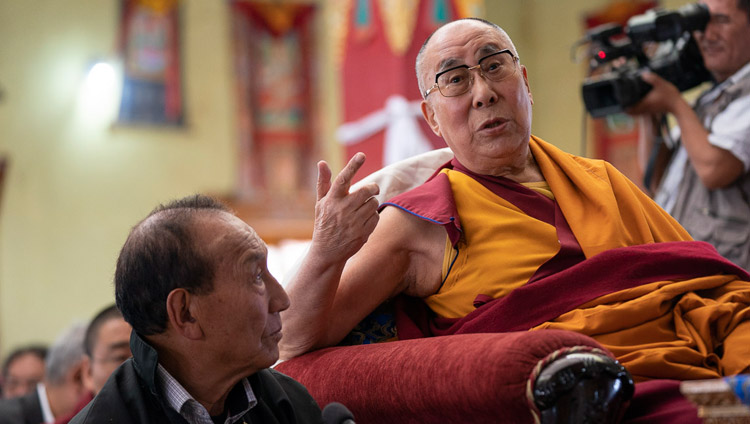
x: 478, y: 66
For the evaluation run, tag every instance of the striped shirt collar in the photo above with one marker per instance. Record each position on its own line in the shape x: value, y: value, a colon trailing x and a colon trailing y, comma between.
x: 190, y: 409
x: 716, y: 90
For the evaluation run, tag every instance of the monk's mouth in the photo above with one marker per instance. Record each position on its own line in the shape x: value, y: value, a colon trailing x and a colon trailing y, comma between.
x: 493, y: 124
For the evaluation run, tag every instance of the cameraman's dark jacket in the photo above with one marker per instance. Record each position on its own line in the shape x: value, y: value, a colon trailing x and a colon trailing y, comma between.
x: 721, y: 216
x: 130, y: 396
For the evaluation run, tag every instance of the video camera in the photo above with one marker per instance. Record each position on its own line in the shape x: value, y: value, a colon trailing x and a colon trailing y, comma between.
x: 677, y: 58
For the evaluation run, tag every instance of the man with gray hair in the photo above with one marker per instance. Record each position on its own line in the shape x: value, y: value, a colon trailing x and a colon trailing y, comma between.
x: 58, y: 394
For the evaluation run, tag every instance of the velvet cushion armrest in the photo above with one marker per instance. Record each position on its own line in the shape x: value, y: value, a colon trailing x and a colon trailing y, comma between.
x: 459, y: 378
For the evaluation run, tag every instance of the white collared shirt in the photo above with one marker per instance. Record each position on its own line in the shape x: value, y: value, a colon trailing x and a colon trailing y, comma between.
x: 730, y: 130
x: 44, y: 402
x: 194, y: 413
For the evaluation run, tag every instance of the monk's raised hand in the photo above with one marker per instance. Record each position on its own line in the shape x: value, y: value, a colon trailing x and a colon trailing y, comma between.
x: 343, y: 220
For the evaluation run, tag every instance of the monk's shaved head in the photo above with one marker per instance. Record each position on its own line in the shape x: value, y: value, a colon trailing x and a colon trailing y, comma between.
x: 423, y: 77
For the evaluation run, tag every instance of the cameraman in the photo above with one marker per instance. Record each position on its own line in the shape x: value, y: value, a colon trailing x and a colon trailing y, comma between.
x: 706, y: 185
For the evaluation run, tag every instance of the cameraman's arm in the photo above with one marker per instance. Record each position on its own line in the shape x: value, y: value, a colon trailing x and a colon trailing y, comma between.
x: 715, y: 166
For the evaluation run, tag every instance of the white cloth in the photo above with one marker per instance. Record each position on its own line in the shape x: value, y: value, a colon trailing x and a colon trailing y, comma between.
x: 44, y: 402
x: 730, y: 130
x: 393, y: 180
x: 405, y: 174
x: 403, y: 138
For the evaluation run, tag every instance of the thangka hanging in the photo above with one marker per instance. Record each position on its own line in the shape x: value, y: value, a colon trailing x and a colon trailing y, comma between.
x: 150, y: 48
x: 274, y: 49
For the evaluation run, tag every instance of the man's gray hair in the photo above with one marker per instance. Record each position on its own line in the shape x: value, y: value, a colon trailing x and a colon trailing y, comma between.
x: 65, y: 353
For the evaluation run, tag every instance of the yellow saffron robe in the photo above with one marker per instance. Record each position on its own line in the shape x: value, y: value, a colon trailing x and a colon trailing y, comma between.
x: 689, y: 329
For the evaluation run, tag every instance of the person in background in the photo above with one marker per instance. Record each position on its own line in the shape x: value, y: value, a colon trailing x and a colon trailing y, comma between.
x: 193, y: 283
x: 702, y: 179
x: 106, y: 347
x: 61, y: 388
x: 22, y: 369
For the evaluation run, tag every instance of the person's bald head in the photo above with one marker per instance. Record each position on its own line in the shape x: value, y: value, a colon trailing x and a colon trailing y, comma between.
x: 424, y: 76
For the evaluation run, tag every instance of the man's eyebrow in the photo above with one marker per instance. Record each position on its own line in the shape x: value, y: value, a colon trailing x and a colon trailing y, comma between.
x: 119, y: 345
x: 253, y: 256
x: 448, y: 63
x: 487, y: 50
x: 482, y: 52
x: 719, y: 17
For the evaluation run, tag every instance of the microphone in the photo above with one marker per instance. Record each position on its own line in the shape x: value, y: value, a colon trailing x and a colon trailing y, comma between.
x: 336, y: 413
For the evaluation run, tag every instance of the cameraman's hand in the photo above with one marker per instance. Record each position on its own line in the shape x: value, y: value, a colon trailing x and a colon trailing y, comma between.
x: 663, y: 97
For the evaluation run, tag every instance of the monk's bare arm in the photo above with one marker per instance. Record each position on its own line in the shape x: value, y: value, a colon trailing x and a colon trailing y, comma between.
x: 403, y: 255
x: 331, y: 294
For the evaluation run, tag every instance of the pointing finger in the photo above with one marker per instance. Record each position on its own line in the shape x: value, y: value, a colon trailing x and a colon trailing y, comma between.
x: 344, y: 179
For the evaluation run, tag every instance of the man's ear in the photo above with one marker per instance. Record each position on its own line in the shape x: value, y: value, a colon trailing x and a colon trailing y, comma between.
x: 180, y: 314
x: 429, y: 115
x: 526, y: 82
x: 75, y: 376
x: 88, y: 381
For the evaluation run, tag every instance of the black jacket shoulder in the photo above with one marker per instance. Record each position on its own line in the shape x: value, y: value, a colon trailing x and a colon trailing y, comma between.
x: 127, y: 399
x: 21, y: 410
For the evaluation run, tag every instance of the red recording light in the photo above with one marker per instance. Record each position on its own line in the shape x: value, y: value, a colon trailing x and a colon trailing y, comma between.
x: 602, y: 54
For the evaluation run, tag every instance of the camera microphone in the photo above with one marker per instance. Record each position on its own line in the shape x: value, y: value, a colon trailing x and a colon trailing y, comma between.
x: 336, y: 413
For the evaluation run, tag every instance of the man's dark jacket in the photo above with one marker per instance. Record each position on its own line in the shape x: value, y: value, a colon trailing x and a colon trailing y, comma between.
x: 130, y: 396
x: 21, y: 410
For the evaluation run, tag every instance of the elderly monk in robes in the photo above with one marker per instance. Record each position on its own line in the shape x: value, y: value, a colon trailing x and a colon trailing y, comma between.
x: 514, y: 234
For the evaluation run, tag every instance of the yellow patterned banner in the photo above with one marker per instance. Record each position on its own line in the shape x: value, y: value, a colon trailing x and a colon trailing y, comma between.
x: 337, y: 17
x: 470, y: 8
x: 399, y: 20
x: 279, y: 17
x: 158, y: 6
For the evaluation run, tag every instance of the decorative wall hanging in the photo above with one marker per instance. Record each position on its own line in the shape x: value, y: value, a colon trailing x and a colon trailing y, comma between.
x: 150, y: 48
x: 274, y: 48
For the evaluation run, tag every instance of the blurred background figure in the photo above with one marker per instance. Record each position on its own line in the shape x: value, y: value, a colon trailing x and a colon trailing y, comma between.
x: 61, y: 388
x: 702, y: 171
x: 22, y: 370
x: 106, y: 346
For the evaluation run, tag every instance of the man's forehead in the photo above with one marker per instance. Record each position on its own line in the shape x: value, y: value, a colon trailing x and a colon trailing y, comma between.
x: 109, y: 326
x: 23, y: 360
x: 465, y: 36
x: 722, y: 7
x: 237, y: 235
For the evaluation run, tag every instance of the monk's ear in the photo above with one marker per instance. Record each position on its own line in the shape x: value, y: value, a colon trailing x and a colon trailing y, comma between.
x: 181, y: 314
x: 526, y: 82
x: 429, y: 115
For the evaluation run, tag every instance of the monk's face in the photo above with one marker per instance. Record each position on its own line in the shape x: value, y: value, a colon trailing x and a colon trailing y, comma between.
x: 489, y: 126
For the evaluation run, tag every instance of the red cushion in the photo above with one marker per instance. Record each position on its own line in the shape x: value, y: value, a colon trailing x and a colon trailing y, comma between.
x: 660, y: 401
x: 458, y: 378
